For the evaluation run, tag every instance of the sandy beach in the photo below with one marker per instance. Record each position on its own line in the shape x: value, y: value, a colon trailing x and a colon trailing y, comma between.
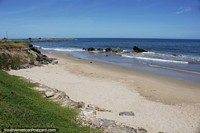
x: 160, y: 103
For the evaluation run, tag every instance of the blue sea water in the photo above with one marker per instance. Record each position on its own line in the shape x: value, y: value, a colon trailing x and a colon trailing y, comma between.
x: 171, y: 57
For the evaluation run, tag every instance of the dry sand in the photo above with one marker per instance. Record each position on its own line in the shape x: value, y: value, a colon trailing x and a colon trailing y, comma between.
x: 160, y: 104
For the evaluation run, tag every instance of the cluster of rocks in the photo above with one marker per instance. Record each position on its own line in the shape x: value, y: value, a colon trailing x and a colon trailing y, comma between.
x: 35, y: 58
x: 25, y: 66
x: 87, y: 116
x: 41, y: 58
x: 115, y: 50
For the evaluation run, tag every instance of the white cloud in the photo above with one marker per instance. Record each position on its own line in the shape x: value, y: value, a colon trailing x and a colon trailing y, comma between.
x: 183, y: 10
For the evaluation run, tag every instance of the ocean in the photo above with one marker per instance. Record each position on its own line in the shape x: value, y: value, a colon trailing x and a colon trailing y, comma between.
x: 178, y: 58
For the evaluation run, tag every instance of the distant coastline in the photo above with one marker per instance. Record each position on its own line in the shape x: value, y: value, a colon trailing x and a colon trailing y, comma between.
x: 41, y: 39
x: 52, y: 39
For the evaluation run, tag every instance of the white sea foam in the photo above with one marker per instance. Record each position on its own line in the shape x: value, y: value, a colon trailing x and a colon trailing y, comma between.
x: 149, y: 53
x: 126, y: 50
x: 37, y: 46
x: 155, y: 59
x: 63, y: 49
x: 47, y: 48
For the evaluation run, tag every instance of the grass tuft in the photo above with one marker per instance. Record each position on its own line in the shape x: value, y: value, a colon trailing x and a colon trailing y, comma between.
x: 8, y: 61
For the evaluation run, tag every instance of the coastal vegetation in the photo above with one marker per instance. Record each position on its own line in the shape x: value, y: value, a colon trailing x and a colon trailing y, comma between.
x: 14, y: 53
x: 4, y: 43
x: 21, y: 107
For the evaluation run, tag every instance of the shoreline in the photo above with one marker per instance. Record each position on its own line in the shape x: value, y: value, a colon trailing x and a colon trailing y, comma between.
x: 160, y: 103
x: 175, y: 71
x: 139, y: 75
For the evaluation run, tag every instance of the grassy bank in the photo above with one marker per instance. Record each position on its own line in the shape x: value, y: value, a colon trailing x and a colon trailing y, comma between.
x: 13, y: 43
x: 22, y: 107
x: 14, y: 54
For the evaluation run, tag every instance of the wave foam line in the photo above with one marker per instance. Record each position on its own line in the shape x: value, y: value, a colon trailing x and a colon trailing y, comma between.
x: 37, y: 46
x: 63, y: 49
x: 158, y: 60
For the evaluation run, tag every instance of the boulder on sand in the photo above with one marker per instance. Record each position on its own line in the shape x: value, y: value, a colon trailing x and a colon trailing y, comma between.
x: 126, y: 114
x: 138, y: 49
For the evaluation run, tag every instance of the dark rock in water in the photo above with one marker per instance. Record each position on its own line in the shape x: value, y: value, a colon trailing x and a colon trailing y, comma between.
x: 126, y: 114
x: 89, y: 49
x: 139, y: 50
x: 106, y: 55
x: 99, y: 49
x: 108, y: 50
x: 117, y: 50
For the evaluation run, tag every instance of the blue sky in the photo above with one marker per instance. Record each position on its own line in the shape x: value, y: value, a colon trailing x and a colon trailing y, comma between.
x: 100, y: 18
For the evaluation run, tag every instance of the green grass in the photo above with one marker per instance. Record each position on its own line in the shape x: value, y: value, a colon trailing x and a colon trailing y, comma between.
x: 22, y: 107
x: 32, y: 58
x: 7, y: 61
x: 12, y: 59
x: 13, y: 43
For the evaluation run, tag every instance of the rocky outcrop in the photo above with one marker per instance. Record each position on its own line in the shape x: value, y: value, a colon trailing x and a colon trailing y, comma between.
x: 59, y: 96
x: 116, y: 50
x: 22, y: 57
x: 138, y: 49
x: 41, y: 58
x: 89, y: 49
x: 34, y: 49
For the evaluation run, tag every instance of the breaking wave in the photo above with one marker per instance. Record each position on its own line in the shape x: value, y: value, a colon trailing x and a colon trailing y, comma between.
x: 155, y: 59
x: 63, y: 49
